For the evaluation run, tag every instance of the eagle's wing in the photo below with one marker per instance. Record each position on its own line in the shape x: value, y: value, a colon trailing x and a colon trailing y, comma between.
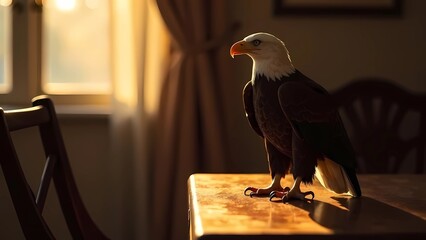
x: 316, y: 122
x: 249, y: 108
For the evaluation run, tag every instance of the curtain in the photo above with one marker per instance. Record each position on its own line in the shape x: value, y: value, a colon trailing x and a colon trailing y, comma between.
x: 190, y: 127
x: 126, y: 122
x: 140, y: 45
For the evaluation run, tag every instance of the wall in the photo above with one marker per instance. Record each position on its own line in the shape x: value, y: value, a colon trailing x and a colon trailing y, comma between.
x: 87, y: 142
x: 332, y: 51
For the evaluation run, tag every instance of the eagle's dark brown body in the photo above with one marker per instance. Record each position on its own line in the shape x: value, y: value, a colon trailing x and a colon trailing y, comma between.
x: 266, y: 112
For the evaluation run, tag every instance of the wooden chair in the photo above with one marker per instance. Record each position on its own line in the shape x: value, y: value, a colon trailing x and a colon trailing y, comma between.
x: 378, y: 116
x: 29, y: 207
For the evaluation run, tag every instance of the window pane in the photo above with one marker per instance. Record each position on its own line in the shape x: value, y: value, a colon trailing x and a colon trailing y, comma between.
x: 5, y: 47
x: 76, y: 47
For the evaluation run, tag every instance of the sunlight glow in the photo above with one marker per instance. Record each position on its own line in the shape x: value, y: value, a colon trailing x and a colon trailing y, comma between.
x: 157, y: 36
x: 92, y: 4
x: 5, y: 48
x: 76, y: 88
x: 5, y: 3
x: 76, y: 47
x: 65, y: 5
x: 125, y: 85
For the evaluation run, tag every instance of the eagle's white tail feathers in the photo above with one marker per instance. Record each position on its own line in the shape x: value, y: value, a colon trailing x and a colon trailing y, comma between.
x: 332, y: 176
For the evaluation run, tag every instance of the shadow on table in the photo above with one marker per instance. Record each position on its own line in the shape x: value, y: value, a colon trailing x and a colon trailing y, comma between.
x: 354, y: 215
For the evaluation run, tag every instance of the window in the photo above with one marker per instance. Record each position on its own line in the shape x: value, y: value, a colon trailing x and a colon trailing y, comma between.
x: 76, y: 47
x: 68, y: 55
x: 5, y: 47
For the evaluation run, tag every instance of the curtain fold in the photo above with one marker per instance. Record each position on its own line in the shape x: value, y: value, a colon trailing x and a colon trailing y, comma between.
x: 126, y: 123
x: 191, y: 133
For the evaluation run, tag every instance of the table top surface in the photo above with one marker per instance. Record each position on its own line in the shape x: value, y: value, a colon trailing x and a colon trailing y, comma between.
x: 391, y: 205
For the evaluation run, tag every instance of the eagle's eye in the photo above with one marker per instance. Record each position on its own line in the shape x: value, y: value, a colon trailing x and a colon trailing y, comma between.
x: 256, y: 42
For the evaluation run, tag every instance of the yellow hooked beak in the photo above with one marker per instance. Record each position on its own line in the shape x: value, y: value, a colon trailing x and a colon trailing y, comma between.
x: 241, y: 47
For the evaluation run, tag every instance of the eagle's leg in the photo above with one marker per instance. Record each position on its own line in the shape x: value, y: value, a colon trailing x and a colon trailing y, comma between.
x: 294, y: 193
x: 274, y: 186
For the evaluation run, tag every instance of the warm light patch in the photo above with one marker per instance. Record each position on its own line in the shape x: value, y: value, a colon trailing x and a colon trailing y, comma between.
x: 5, y: 3
x: 92, y: 4
x: 125, y: 86
x: 76, y: 47
x: 155, y: 71
x: 76, y: 88
x: 5, y: 47
x: 65, y: 5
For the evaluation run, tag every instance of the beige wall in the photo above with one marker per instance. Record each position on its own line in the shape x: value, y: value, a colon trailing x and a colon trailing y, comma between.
x: 87, y: 142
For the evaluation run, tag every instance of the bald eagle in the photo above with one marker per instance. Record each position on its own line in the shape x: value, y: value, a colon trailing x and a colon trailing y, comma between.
x: 301, y: 127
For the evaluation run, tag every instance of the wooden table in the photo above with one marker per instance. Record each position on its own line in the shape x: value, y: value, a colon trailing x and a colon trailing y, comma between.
x: 392, y: 207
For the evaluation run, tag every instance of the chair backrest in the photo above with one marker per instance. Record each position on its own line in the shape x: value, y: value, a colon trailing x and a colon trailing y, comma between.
x: 386, y: 124
x: 29, y: 206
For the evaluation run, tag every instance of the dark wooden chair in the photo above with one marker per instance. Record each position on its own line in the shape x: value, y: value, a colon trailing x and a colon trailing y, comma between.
x: 386, y: 124
x: 28, y: 206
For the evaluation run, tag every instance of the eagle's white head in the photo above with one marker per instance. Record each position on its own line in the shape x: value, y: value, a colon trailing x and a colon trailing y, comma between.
x: 269, y: 54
